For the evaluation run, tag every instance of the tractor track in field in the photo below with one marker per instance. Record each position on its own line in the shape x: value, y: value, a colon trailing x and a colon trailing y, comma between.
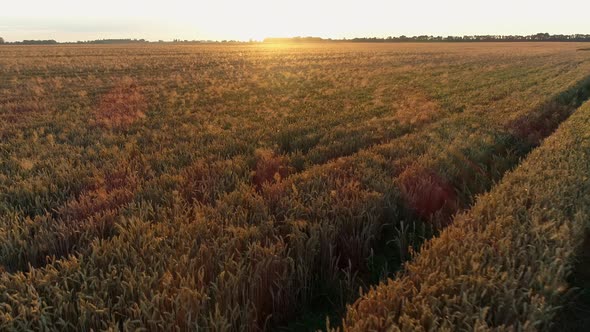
x: 526, y: 133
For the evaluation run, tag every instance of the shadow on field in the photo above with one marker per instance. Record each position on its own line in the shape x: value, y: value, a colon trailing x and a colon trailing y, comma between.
x: 575, y: 314
x: 541, y: 123
x: 434, y: 198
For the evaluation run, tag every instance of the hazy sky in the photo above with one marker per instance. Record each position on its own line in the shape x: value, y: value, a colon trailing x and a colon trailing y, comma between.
x: 70, y: 20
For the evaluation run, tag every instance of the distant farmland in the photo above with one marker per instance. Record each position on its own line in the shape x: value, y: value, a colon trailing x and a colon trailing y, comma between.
x: 259, y: 187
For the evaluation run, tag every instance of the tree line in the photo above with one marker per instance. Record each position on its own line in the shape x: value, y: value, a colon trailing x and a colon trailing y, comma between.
x: 539, y: 37
x: 30, y: 42
x: 481, y: 38
x: 426, y: 38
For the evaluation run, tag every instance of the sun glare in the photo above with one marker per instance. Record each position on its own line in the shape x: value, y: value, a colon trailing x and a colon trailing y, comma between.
x: 255, y: 20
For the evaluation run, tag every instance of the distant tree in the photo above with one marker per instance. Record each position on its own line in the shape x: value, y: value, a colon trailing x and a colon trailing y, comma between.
x: 38, y: 42
x: 1, y: 40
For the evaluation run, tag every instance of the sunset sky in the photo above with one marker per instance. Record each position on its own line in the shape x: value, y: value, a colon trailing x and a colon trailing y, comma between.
x: 71, y: 20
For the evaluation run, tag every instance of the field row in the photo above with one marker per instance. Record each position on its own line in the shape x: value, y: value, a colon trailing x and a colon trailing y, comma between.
x: 504, y: 264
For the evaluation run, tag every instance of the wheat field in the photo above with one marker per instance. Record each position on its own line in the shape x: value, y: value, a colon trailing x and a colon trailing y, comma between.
x: 181, y: 187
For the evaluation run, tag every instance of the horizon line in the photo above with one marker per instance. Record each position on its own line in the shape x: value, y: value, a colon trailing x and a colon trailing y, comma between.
x: 542, y: 36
